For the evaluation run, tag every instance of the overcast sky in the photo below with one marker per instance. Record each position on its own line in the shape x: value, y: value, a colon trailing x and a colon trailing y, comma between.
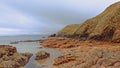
x: 46, y: 16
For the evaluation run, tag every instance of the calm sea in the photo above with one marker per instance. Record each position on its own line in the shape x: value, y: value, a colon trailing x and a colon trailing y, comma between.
x: 32, y: 47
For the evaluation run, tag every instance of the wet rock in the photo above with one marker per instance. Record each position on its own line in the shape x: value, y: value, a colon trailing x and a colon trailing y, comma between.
x: 42, y: 55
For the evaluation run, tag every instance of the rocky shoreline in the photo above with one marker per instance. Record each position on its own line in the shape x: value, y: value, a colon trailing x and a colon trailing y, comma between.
x: 92, y: 44
x: 64, y: 42
x: 10, y: 58
x: 84, y: 54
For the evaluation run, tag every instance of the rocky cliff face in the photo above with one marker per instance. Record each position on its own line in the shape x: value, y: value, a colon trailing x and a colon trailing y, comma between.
x: 105, y: 26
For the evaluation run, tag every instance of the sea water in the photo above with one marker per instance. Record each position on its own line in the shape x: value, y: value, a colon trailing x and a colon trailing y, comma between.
x: 32, y: 47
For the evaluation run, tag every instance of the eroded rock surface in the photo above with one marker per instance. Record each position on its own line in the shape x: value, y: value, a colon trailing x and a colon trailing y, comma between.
x: 10, y: 58
x: 90, y: 57
x: 88, y: 54
x: 64, y: 59
x: 59, y: 42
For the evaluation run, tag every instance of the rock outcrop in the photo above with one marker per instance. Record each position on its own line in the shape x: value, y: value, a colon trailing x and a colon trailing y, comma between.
x: 89, y: 57
x: 42, y: 55
x: 10, y: 58
x: 60, y: 42
x: 64, y: 59
x: 105, y: 26
x: 7, y: 50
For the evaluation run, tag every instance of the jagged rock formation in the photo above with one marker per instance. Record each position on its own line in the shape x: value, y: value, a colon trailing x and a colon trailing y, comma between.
x: 10, y: 58
x: 105, y: 26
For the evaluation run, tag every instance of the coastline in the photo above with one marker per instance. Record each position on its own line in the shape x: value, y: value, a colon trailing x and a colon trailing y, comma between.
x: 32, y: 47
x: 84, y: 54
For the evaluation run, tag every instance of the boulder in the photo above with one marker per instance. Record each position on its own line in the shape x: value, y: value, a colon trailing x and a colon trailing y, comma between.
x: 42, y: 55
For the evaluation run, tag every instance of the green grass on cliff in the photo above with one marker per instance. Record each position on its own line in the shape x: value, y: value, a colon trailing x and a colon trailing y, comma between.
x: 69, y: 29
x: 103, y: 25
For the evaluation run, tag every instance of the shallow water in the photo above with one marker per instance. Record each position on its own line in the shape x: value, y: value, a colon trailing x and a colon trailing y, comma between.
x: 32, y: 47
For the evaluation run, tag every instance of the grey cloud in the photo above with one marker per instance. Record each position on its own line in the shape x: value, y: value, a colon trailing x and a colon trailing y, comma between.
x: 51, y: 15
x: 54, y: 13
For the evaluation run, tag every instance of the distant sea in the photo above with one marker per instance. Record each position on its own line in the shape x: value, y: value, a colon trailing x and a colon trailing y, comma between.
x: 32, y: 47
x: 7, y: 39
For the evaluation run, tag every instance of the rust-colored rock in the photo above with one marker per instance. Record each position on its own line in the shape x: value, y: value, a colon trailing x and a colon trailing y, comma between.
x: 64, y: 59
x: 84, y: 54
x: 90, y: 57
x: 59, y: 42
x: 10, y: 58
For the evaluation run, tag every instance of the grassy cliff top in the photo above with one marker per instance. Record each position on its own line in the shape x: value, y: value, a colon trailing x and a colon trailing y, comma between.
x: 102, y: 27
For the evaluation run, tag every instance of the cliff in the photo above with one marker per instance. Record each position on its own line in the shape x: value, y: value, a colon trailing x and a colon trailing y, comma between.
x: 105, y: 26
x: 98, y: 49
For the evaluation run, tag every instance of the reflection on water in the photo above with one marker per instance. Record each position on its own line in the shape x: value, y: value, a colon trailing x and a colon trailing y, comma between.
x: 33, y: 47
